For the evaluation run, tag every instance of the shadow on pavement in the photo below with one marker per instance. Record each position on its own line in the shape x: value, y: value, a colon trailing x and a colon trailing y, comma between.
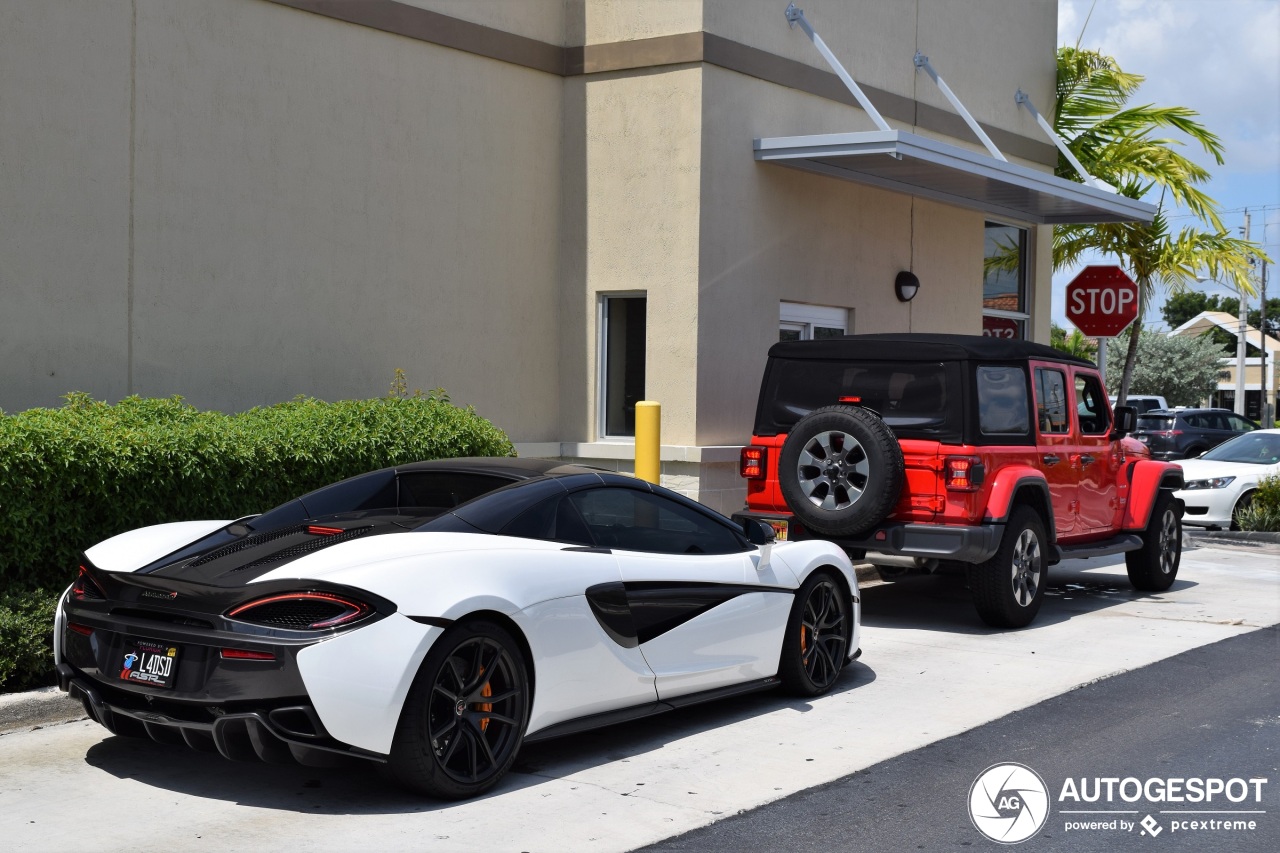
x: 362, y: 789
x: 942, y: 602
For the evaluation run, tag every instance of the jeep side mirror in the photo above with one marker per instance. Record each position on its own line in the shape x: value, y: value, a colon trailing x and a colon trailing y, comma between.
x: 758, y: 532
x: 1126, y: 421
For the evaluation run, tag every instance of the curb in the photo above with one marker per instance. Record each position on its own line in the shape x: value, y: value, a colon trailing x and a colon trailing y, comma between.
x: 36, y: 708
x: 1245, y: 538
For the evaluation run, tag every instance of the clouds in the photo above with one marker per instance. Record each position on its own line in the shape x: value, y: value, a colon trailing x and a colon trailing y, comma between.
x: 1218, y: 57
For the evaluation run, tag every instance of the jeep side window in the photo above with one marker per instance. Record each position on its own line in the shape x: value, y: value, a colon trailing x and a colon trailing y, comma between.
x: 1052, y: 414
x: 1090, y: 406
x: 1002, y: 401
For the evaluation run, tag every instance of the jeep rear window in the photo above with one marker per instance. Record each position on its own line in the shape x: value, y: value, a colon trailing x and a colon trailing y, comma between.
x: 915, y: 399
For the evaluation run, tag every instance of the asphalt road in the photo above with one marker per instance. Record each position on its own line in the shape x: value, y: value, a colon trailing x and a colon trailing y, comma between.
x: 1210, y: 712
x: 931, y: 678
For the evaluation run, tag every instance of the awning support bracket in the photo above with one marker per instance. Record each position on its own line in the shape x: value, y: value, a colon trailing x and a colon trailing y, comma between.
x: 922, y: 61
x: 1024, y: 100
x: 796, y: 16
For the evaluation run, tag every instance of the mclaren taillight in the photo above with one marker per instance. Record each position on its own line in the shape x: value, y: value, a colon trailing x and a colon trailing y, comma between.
x: 302, y: 611
x: 83, y: 630
x: 86, y: 588
x: 317, y: 530
x: 245, y: 654
x: 751, y: 462
x: 964, y: 473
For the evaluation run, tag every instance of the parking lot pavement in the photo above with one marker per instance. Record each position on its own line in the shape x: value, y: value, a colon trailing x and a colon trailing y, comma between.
x: 929, y: 671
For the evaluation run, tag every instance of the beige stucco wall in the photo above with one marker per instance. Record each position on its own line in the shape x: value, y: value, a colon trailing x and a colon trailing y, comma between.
x: 64, y: 181
x: 772, y: 234
x: 604, y: 21
x: 314, y: 204
x: 984, y: 49
x: 643, y: 180
x: 544, y: 20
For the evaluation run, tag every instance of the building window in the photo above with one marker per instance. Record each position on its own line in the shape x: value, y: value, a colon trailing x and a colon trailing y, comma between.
x: 622, y: 351
x: 799, y: 322
x: 1005, y: 308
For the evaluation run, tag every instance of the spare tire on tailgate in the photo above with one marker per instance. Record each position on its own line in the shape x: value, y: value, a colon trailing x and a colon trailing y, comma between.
x: 841, y: 470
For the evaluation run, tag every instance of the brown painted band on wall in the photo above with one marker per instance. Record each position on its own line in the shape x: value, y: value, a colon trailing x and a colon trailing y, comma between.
x: 424, y: 25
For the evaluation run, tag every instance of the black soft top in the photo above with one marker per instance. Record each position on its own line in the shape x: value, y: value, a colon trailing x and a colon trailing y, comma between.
x: 920, y: 347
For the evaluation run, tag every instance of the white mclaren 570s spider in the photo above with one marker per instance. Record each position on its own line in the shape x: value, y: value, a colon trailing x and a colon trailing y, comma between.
x: 435, y: 616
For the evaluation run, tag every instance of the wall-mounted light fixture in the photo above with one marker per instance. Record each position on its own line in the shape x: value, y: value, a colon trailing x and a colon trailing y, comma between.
x: 906, y: 285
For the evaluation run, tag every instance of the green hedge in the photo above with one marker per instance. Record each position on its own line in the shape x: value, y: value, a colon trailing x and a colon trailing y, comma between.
x: 26, y: 639
x: 73, y: 476
x: 1263, y: 512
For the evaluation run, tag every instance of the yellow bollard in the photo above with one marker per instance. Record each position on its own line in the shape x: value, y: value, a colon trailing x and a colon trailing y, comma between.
x: 649, y: 441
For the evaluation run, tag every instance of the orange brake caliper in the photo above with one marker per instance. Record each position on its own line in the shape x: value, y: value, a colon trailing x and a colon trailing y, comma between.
x: 487, y: 690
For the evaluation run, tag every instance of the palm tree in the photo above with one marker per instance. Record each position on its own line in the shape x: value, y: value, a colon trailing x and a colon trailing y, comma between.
x: 1073, y: 344
x: 1117, y: 143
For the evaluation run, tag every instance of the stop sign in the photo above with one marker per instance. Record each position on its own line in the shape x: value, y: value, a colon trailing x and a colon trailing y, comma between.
x: 1102, y: 301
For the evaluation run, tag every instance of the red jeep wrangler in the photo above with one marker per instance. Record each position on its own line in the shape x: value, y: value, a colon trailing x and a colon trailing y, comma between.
x: 1002, y: 455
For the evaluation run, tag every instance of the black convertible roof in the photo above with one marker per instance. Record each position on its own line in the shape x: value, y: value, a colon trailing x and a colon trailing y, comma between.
x: 919, y: 347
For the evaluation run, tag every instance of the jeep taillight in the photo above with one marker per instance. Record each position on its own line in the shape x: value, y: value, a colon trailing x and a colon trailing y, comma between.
x: 964, y: 473
x: 751, y: 462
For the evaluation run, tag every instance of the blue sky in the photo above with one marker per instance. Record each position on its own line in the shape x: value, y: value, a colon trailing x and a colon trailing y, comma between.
x: 1220, y: 58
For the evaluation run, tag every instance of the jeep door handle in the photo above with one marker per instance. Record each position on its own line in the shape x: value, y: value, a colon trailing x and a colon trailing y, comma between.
x: 1087, y: 460
x: 1050, y: 459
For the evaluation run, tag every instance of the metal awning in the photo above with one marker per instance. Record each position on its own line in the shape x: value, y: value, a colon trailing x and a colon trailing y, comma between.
x: 904, y: 162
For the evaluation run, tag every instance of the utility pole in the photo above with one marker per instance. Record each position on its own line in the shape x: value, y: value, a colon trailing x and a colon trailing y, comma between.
x: 1265, y: 415
x: 1241, y: 343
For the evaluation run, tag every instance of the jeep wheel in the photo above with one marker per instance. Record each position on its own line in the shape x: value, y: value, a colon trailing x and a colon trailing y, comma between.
x: 1154, y: 566
x: 1008, y: 588
x: 841, y: 470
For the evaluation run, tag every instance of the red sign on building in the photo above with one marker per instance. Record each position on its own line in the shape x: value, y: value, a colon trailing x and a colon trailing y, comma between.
x: 1000, y: 327
x: 1102, y: 301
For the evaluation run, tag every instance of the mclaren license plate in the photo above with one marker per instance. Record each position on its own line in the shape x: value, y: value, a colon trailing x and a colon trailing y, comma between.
x: 149, y: 662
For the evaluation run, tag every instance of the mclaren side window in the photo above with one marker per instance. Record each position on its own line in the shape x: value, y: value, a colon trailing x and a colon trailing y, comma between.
x: 554, y: 520
x: 444, y: 489
x: 633, y: 520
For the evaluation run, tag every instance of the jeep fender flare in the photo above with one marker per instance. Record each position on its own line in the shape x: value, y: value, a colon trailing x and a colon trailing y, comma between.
x: 1146, y: 478
x: 1020, y: 484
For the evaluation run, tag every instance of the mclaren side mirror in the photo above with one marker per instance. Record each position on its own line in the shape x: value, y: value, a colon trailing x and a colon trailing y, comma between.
x: 1126, y: 421
x: 758, y: 533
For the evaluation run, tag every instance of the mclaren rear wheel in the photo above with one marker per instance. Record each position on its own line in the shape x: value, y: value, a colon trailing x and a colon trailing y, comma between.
x: 464, y: 719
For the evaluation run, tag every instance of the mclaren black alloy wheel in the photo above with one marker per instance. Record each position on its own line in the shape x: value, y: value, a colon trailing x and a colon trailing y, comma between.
x: 1154, y: 566
x: 465, y: 715
x: 1008, y: 588
x: 841, y: 470
x: 817, y: 640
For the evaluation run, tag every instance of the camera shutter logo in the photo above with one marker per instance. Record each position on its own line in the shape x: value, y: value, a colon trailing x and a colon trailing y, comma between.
x: 1008, y: 803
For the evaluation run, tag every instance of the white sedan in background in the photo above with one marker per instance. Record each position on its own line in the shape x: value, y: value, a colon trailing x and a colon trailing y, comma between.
x: 1221, y: 482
